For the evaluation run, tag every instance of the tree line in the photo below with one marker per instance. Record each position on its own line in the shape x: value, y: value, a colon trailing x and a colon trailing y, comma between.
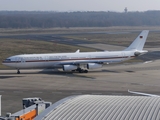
x: 39, y: 19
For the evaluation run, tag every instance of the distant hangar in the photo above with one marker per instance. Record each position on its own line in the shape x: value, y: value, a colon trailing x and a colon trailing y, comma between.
x: 103, y: 107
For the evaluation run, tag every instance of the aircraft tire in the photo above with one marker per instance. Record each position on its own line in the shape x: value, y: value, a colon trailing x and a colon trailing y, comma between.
x: 81, y: 71
x: 85, y: 71
x: 18, y: 72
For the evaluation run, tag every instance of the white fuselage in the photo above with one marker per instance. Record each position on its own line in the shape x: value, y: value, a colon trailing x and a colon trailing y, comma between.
x: 73, y: 61
x: 60, y: 59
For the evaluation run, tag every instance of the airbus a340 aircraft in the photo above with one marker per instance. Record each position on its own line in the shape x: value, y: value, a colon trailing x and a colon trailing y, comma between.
x: 78, y: 60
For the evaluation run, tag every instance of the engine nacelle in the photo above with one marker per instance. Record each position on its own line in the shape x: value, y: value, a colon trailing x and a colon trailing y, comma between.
x: 93, y: 65
x: 69, y: 67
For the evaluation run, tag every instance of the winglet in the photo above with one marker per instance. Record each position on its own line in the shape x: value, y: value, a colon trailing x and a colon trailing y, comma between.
x: 77, y: 51
x: 139, y: 42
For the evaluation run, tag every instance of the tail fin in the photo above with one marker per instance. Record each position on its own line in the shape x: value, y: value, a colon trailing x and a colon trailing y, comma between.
x: 139, y: 42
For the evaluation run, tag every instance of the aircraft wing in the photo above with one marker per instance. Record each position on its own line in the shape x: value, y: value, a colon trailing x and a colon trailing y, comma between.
x: 79, y: 62
x: 145, y: 94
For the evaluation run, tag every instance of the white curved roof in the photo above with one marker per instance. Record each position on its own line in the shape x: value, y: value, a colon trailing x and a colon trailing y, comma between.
x: 102, y: 107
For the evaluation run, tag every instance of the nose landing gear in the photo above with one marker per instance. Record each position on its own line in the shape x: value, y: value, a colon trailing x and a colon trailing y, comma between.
x: 18, y: 72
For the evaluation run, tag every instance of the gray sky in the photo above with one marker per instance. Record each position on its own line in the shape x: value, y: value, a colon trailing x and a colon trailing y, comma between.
x: 80, y: 5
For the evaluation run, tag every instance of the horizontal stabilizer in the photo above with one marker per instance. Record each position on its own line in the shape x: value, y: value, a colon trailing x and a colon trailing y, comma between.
x: 138, y: 53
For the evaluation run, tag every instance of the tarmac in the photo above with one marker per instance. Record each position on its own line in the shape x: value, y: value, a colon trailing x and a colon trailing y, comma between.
x: 53, y: 85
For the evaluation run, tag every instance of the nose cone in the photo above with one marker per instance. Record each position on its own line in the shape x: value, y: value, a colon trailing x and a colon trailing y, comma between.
x: 6, y: 62
x: 3, y: 61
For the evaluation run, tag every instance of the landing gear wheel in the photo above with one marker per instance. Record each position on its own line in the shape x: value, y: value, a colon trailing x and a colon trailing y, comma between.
x: 85, y: 71
x: 81, y: 71
x: 18, y: 72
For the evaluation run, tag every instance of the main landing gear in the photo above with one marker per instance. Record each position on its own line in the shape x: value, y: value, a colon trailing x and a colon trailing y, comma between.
x: 18, y: 72
x: 82, y: 70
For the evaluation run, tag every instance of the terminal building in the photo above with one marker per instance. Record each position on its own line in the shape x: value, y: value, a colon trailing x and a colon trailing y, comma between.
x: 94, y: 107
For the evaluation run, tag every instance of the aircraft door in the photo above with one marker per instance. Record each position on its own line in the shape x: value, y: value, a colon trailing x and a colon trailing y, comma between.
x: 17, y: 59
x: 23, y: 60
x: 90, y: 57
x: 20, y: 62
x: 46, y: 63
x: 123, y: 56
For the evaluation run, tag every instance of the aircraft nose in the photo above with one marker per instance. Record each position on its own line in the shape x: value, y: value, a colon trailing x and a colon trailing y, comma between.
x: 3, y: 62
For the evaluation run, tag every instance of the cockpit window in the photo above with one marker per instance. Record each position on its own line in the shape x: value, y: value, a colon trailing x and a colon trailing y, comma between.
x: 7, y: 59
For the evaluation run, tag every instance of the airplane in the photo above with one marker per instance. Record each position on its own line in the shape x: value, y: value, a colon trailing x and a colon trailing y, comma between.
x: 78, y: 60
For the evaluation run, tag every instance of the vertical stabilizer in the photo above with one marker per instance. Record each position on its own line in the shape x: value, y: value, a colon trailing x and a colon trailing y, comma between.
x: 139, y: 42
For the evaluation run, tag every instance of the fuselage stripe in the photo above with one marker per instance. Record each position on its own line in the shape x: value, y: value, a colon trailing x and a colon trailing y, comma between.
x: 66, y: 59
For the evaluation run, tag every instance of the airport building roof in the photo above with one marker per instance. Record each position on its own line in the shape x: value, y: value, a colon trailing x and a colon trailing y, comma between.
x: 102, y: 107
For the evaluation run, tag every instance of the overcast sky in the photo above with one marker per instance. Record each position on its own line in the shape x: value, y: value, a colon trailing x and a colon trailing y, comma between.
x: 80, y: 5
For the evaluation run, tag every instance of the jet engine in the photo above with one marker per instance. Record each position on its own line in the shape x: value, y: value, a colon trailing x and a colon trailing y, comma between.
x: 69, y: 67
x: 93, y: 65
